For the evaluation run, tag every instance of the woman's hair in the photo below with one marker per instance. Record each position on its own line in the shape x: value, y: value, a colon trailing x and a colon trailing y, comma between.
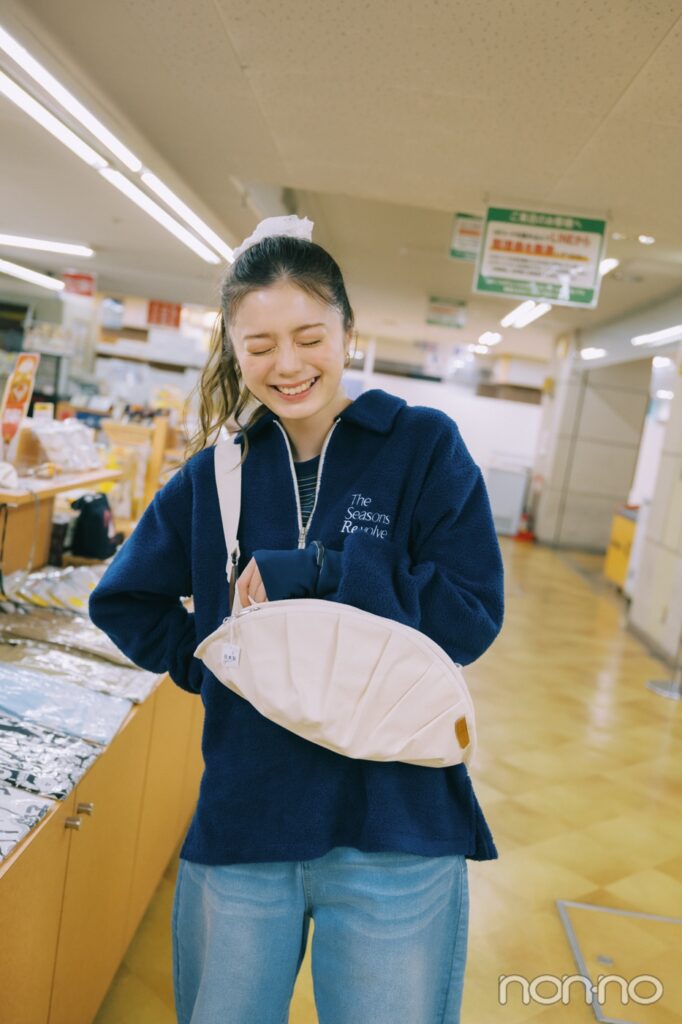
x: 280, y: 258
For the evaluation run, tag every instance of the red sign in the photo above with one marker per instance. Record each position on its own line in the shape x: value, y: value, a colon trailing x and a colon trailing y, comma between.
x: 165, y: 314
x: 18, y: 391
x: 79, y: 284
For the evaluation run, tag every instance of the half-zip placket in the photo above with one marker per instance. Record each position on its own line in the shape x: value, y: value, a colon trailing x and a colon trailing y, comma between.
x: 303, y: 531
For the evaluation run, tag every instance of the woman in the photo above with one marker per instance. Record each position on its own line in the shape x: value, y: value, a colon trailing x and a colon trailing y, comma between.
x: 369, y: 502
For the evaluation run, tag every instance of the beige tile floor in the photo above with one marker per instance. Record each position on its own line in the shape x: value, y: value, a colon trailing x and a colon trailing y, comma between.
x: 579, y: 771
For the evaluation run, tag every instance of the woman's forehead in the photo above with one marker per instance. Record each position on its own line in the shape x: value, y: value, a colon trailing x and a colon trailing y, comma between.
x: 280, y: 307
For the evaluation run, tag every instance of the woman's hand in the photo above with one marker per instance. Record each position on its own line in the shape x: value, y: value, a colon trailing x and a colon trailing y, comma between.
x: 251, y: 584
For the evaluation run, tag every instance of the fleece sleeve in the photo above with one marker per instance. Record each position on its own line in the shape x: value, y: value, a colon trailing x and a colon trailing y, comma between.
x: 137, y: 601
x: 312, y: 571
x: 452, y: 588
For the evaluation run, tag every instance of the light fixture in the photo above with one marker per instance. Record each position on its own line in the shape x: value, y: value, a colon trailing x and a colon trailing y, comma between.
x: 525, y: 313
x: 663, y: 337
x: 665, y: 395
x: 176, y: 204
x: 41, y: 245
x: 617, y: 236
x: 142, y: 200
x: 592, y: 353
x: 539, y: 309
x: 510, y: 319
x: 646, y: 239
x: 661, y: 362
x: 32, y: 276
x: 490, y: 338
x: 607, y: 265
x: 66, y: 100
x: 480, y: 350
x: 48, y: 121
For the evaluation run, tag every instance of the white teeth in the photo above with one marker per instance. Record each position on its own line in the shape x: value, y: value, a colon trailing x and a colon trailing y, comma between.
x: 296, y: 391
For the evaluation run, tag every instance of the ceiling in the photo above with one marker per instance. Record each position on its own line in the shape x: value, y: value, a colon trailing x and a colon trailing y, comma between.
x: 382, y: 118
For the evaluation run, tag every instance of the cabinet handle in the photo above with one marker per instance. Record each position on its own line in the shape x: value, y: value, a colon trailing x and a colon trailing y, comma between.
x: 72, y: 823
x: 85, y: 808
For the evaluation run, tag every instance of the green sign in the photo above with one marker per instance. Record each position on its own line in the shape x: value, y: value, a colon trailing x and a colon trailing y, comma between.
x: 446, y: 312
x: 527, y: 254
x: 465, y: 241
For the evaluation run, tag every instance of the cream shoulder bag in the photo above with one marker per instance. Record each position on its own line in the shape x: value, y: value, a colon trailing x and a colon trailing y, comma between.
x: 356, y: 683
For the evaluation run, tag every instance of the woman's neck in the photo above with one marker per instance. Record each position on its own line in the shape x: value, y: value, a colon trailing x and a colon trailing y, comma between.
x: 307, y: 435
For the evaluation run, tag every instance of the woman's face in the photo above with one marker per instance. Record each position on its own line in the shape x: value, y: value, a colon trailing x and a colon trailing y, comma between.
x: 284, y: 338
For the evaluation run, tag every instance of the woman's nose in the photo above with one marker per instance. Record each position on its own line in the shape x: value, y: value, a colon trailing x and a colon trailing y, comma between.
x: 289, y: 359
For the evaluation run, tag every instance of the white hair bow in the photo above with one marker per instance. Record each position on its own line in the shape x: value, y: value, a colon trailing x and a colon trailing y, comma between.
x: 295, y: 227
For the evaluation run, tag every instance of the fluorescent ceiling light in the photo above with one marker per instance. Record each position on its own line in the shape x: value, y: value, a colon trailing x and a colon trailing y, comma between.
x: 646, y: 239
x: 481, y: 350
x: 607, y: 265
x: 41, y: 245
x: 69, y: 102
x: 48, y: 121
x: 659, y: 337
x: 540, y: 309
x: 618, y: 236
x: 592, y: 353
x: 32, y: 276
x: 660, y: 362
x: 667, y: 395
x: 154, y: 210
x: 490, y: 338
x: 510, y: 319
x: 176, y: 204
x: 525, y: 313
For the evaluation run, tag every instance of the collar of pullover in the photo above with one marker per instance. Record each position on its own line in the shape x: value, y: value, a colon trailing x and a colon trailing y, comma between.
x: 375, y: 409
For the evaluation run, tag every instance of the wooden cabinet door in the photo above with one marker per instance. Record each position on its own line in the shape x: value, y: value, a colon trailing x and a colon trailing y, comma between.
x: 31, y: 888
x: 99, y: 874
x: 162, y: 817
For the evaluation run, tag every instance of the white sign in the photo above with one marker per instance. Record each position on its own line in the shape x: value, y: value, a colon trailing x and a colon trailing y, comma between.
x: 527, y: 254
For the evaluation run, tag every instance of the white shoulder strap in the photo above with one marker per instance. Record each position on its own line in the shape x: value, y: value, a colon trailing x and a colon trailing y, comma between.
x: 228, y: 478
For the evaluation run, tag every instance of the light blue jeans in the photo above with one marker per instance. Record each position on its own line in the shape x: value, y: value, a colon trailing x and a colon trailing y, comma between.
x: 388, y: 947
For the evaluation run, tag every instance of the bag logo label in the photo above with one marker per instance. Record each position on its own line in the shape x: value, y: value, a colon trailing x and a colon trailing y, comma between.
x: 359, y: 516
x: 230, y: 655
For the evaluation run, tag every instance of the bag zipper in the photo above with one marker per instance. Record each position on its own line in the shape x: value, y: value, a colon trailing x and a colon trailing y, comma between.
x: 303, y: 531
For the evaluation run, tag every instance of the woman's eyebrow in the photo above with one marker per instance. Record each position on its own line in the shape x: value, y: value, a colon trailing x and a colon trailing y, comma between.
x: 303, y: 327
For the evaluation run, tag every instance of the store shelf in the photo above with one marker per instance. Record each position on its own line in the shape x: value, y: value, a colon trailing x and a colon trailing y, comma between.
x: 151, y: 359
x: 33, y: 487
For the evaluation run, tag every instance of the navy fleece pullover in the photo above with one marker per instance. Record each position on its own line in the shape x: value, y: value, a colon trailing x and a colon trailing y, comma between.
x: 404, y: 520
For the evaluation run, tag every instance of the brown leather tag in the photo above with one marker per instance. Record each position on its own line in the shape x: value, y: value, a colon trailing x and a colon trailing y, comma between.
x: 462, y: 732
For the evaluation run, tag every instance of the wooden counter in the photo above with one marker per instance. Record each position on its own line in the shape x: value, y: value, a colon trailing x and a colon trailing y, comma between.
x: 71, y: 898
x: 29, y: 521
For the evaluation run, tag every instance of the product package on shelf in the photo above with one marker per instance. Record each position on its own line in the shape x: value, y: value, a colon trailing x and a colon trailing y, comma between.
x: 19, y: 813
x: 62, y: 628
x: 68, y: 444
x: 52, y: 587
x: 41, y: 760
x: 64, y: 706
x: 85, y: 670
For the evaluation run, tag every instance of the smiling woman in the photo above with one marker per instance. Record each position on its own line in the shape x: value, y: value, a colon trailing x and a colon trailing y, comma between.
x: 386, y: 512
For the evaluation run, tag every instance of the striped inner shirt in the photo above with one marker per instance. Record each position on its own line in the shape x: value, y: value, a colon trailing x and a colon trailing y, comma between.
x: 306, y: 475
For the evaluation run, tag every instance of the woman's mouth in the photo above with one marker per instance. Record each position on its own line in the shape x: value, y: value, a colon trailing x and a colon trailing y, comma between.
x: 296, y: 392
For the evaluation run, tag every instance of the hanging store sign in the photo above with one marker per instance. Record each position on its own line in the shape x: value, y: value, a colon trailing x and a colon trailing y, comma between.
x: 446, y: 312
x: 78, y: 284
x: 164, y: 314
x: 465, y: 240
x: 527, y: 254
x: 17, y: 395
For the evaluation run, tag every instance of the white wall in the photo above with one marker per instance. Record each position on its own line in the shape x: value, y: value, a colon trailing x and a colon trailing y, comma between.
x: 494, y: 430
